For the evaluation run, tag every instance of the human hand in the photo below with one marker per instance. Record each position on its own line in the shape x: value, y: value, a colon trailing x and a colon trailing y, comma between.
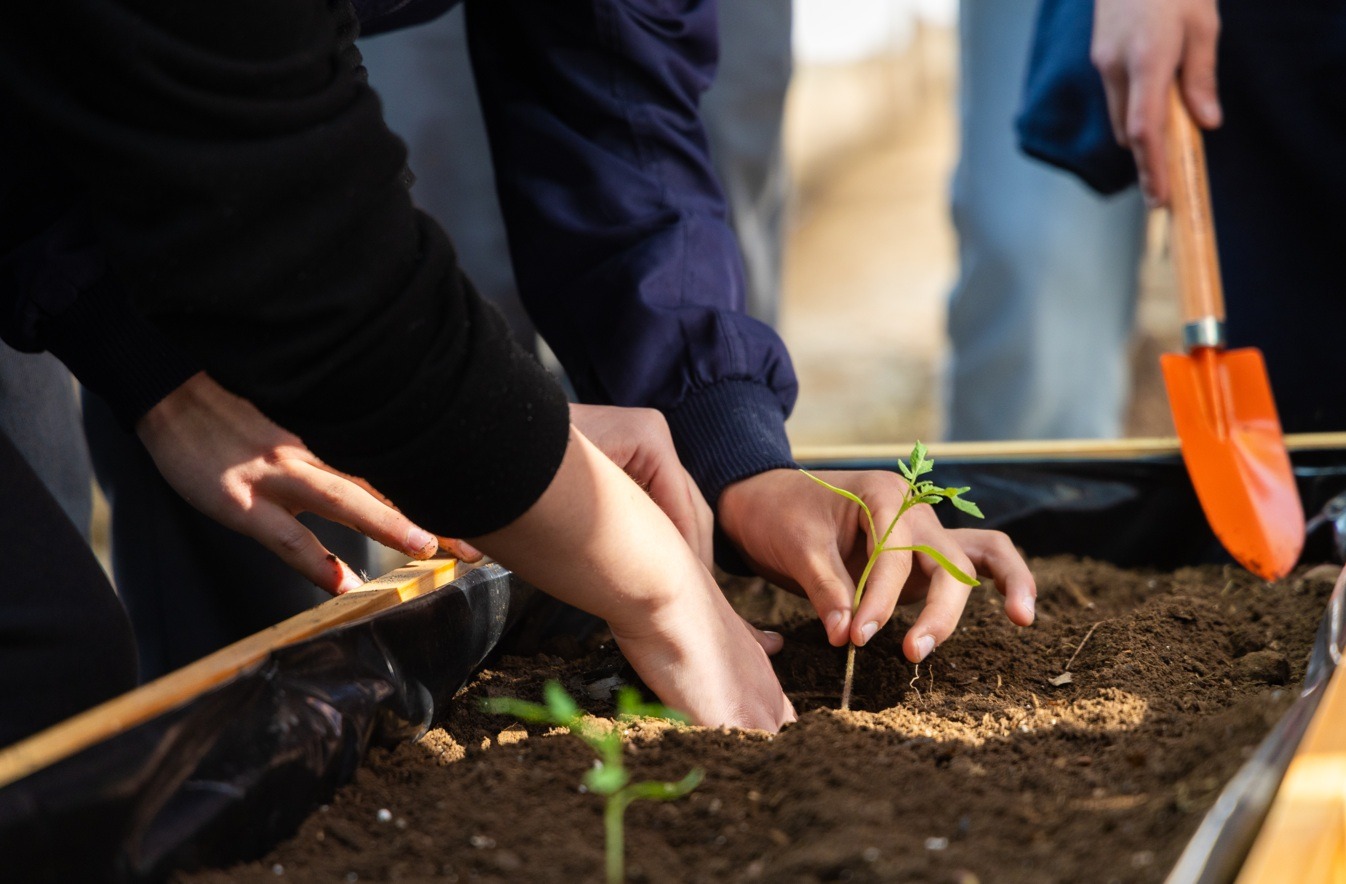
x: 1139, y: 46
x: 232, y: 463
x: 638, y: 441
x: 597, y: 541
x: 808, y: 539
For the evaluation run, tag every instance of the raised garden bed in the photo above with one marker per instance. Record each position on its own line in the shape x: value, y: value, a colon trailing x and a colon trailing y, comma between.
x: 985, y: 766
x: 977, y: 767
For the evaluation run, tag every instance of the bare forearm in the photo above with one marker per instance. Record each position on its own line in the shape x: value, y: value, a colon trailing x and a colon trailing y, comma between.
x: 596, y: 540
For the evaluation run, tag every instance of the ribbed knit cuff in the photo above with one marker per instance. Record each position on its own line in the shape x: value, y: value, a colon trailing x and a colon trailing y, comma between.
x: 117, y: 353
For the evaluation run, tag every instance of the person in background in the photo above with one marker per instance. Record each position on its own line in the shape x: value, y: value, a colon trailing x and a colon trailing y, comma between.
x: 1042, y: 312
x: 39, y: 412
x: 1267, y: 84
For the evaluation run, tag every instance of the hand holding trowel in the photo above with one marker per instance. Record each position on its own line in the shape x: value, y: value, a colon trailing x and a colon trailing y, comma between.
x: 1221, y: 399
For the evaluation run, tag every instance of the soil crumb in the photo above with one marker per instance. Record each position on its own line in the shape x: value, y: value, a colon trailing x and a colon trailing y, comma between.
x: 984, y: 764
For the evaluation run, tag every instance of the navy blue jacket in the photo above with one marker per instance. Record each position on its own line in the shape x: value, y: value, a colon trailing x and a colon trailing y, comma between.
x: 619, y: 230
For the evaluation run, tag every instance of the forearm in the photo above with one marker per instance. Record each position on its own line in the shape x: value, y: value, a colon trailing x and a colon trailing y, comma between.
x: 67, y: 303
x: 596, y: 540
x: 251, y: 200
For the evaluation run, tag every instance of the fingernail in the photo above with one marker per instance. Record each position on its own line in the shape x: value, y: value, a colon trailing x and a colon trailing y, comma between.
x: 834, y: 621
x: 1032, y: 606
x: 349, y: 582
x: 420, y: 541
x: 867, y: 631
x: 1210, y: 110
x: 924, y: 645
x: 776, y: 640
x: 468, y: 553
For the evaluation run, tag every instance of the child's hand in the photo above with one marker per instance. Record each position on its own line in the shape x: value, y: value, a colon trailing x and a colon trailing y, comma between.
x: 638, y: 441
x: 596, y: 540
x: 232, y: 463
x: 804, y: 537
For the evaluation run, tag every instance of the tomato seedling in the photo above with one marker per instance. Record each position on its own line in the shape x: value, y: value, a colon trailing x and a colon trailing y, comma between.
x: 918, y: 491
x: 608, y: 777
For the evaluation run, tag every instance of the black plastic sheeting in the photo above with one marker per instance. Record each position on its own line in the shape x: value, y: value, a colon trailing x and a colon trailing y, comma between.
x: 235, y: 770
x: 225, y: 776
x: 1138, y: 512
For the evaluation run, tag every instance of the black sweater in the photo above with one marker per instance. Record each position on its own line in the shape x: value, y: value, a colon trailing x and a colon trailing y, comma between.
x: 250, y: 200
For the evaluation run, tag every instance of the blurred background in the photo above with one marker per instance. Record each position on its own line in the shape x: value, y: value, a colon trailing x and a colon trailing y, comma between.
x: 870, y: 254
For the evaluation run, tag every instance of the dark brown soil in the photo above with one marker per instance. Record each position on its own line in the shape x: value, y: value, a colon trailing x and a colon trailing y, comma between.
x: 977, y: 767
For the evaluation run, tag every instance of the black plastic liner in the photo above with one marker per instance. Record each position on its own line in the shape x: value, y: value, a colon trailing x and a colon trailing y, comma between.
x: 235, y: 770
x: 1138, y: 512
x: 227, y: 775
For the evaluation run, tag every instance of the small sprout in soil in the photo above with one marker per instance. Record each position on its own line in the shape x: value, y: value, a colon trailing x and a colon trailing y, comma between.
x: 1066, y: 677
x: 608, y: 777
x: 919, y: 491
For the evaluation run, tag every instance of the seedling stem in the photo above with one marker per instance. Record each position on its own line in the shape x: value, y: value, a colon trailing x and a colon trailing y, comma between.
x: 608, y: 776
x: 918, y: 491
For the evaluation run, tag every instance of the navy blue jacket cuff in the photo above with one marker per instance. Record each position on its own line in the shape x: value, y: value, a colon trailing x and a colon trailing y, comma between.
x: 1063, y: 120
x: 730, y: 431
x: 726, y: 432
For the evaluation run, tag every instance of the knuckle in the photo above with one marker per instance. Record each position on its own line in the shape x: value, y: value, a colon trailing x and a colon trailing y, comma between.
x: 334, y: 495
x: 293, y: 540
x: 1106, y: 58
x: 1138, y: 132
x: 827, y: 588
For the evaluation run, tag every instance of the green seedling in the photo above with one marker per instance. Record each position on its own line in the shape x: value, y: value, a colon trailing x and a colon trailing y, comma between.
x: 918, y: 491
x: 608, y: 777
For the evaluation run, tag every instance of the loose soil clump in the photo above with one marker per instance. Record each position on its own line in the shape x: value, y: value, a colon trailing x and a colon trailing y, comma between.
x: 986, y: 764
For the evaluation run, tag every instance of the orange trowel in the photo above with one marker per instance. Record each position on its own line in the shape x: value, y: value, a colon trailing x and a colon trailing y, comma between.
x: 1221, y: 399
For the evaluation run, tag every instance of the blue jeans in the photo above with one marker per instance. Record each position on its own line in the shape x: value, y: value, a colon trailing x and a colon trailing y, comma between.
x: 39, y: 412
x: 1041, y: 316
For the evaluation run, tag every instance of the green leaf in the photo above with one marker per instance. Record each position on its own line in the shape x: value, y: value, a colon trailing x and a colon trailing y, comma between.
x: 520, y: 709
x: 965, y: 505
x: 842, y: 491
x: 657, y: 791
x: 920, y: 465
x: 853, y: 498
x: 605, y: 779
x: 954, y: 570
x: 906, y: 471
x: 560, y: 703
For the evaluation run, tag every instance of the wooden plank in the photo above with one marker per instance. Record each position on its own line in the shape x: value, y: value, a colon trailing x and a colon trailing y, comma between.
x: 1026, y: 449
x: 1040, y: 449
x: 1304, y: 836
x: 143, y: 703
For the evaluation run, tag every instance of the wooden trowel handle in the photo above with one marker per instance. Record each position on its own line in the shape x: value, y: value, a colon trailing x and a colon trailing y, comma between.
x: 1193, y: 229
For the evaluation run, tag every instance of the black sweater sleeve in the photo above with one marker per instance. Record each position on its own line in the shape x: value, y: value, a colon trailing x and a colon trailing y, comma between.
x: 249, y: 198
